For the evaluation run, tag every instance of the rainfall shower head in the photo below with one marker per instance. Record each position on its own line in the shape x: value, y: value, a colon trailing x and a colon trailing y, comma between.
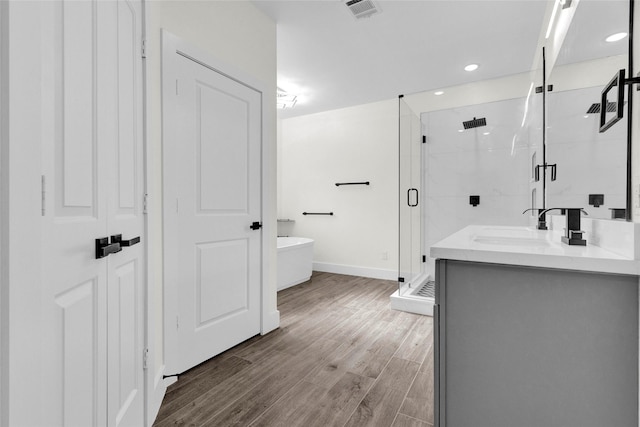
x: 612, y: 107
x: 475, y: 123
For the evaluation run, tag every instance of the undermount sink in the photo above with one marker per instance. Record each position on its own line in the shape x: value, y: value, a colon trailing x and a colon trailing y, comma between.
x: 511, y: 241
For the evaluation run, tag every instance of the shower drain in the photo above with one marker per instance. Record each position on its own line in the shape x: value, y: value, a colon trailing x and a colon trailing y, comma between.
x: 428, y: 290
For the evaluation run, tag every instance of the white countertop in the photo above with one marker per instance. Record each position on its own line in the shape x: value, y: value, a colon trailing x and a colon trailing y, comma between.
x: 527, y: 246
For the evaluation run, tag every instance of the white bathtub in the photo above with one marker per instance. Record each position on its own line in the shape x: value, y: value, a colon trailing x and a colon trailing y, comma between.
x: 295, y: 259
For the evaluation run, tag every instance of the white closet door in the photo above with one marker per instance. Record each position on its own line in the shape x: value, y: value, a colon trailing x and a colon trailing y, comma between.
x: 92, y: 308
x: 212, y: 198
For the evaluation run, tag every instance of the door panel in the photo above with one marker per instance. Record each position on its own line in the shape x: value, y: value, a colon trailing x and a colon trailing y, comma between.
x: 129, y: 116
x: 212, y: 196
x: 78, y: 316
x: 219, y: 264
x: 78, y: 84
x: 222, y: 140
x: 125, y: 371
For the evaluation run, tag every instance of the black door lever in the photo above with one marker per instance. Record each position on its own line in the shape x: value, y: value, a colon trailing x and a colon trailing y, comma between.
x: 256, y: 226
x: 117, y: 238
x: 104, y: 248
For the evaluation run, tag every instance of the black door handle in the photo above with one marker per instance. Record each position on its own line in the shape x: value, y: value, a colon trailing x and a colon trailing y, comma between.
x: 104, y: 248
x: 256, y: 226
x: 409, y: 197
x: 117, y: 238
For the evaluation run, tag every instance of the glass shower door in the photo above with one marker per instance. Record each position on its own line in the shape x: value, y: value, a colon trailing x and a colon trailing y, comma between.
x: 410, y: 265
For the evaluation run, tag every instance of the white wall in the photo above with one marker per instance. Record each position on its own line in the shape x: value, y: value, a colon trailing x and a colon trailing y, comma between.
x: 347, y: 145
x: 238, y: 34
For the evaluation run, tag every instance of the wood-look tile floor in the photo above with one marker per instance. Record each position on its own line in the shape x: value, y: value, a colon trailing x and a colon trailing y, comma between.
x: 341, y: 357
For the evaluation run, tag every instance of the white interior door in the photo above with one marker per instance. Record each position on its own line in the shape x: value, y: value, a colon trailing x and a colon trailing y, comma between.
x: 92, y: 188
x: 212, y: 159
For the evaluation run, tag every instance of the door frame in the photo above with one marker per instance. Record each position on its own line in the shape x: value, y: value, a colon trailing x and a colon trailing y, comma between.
x: 20, y: 192
x: 172, y: 45
x: 4, y: 283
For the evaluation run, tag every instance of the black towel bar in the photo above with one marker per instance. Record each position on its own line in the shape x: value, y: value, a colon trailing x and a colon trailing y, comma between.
x: 338, y: 184
x: 317, y: 213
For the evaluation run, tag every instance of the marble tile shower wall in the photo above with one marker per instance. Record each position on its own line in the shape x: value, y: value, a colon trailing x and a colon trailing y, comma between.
x: 491, y: 161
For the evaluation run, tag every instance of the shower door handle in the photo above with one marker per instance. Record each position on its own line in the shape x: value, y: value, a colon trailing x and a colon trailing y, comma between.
x: 409, y: 197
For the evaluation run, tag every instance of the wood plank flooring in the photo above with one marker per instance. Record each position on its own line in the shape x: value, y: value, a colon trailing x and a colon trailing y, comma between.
x: 341, y: 357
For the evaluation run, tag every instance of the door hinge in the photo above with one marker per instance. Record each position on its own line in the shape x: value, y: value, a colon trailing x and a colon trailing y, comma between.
x: 401, y: 279
x: 177, y: 322
x: 145, y: 358
x: 424, y: 258
x: 43, y: 195
x: 145, y: 203
x: 144, y: 48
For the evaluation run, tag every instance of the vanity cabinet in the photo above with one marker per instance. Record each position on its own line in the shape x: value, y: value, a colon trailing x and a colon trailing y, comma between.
x: 530, y: 346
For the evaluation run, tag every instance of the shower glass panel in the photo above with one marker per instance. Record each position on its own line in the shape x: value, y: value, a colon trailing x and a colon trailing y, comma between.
x: 411, y: 200
x: 490, y: 159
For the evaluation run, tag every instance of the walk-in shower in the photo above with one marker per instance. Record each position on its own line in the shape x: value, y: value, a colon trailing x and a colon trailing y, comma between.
x: 459, y: 166
x: 416, y: 292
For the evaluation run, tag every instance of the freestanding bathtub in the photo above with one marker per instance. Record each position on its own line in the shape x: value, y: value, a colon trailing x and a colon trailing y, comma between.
x: 295, y: 259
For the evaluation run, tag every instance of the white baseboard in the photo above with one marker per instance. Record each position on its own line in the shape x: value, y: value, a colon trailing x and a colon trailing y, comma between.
x: 351, y: 270
x: 155, y: 396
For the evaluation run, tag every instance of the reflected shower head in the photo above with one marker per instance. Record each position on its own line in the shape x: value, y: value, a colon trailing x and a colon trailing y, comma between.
x: 475, y: 123
x: 612, y: 107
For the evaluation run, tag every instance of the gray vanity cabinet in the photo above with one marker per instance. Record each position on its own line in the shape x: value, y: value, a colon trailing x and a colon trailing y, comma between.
x: 526, y: 346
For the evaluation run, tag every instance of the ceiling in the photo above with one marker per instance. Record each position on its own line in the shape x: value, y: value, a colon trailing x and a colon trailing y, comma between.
x: 330, y: 59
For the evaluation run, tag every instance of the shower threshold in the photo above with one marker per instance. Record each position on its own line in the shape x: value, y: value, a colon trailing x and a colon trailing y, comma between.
x: 419, y: 300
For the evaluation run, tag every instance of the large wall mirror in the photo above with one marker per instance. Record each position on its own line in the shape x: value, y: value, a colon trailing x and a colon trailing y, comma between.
x: 590, y: 166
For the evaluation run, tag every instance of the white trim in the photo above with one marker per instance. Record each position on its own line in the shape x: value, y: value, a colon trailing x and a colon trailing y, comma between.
x: 155, y: 394
x: 171, y: 45
x: 352, y: 270
x: 21, y: 169
x: 4, y: 283
x: 155, y: 387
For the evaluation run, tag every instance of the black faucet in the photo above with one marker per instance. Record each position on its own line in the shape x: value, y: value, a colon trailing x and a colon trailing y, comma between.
x: 572, y: 232
x: 542, y: 222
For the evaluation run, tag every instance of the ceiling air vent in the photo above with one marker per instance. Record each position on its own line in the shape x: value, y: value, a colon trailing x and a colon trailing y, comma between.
x: 362, y: 8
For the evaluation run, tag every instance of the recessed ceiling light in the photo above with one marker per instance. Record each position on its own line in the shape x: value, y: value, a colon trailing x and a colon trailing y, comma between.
x: 471, y: 67
x: 616, y: 37
x: 285, y: 100
x: 438, y: 93
x: 486, y: 133
x: 460, y: 130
